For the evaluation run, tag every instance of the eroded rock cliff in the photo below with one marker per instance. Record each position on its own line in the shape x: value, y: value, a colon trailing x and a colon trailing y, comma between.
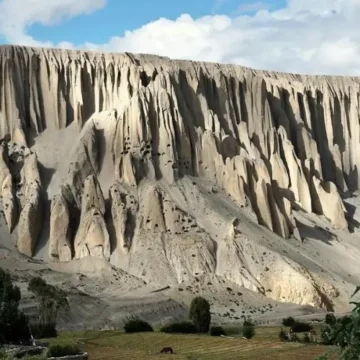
x: 147, y: 134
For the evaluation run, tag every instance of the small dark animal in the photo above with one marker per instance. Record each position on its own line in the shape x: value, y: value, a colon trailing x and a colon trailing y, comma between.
x: 167, y: 350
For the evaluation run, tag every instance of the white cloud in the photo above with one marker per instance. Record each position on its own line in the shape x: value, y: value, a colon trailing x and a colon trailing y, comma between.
x: 306, y: 36
x: 16, y: 16
x: 253, y: 6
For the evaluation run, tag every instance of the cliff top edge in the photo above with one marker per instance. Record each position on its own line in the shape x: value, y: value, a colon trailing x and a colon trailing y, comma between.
x: 141, y: 59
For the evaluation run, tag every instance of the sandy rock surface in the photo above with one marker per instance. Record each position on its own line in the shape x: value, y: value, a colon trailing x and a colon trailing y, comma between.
x: 172, y: 171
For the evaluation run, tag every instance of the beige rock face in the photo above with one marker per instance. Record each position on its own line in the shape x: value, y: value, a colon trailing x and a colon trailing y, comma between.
x: 60, y: 247
x: 124, y: 208
x: 329, y: 203
x: 151, y: 136
x: 31, y: 219
x: 9, y: 202
x: 92, y: 238
x: 7, y: 192
x: 92, y: 196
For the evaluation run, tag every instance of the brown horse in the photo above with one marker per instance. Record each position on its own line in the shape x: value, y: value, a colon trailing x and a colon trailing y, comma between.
x: 167, y: 350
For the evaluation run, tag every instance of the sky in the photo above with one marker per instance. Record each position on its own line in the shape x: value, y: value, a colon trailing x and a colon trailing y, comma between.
x: 301, y: 36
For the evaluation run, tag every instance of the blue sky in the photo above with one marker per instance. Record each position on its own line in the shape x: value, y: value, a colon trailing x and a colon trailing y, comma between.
x: 301, y: 36
x: 119, y: 15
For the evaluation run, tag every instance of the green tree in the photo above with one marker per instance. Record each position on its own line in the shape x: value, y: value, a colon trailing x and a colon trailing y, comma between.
x: 289, y: 321
x: 330, y: 319
x: 349, y: 336
x: 200, y: 314
x: 137, y: 325
x: 248, y: 330
x: 345, y: 332
x: 50, y: 299
x: 14, y: 326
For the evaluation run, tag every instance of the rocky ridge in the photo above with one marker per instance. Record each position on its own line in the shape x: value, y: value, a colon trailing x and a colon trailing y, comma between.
x: 148, y: 133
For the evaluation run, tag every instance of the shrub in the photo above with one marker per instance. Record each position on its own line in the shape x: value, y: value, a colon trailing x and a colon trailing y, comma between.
x: 43, y: 331
x: 233, y: 330
x: 14, y: 327
x: 289, y: 321
x: 248, y: 331
x: 283, y: 335
x: 306, y: 339
x: 63, y: 350
x: 248, y: 322
x: 345, y: 332
x: 185, y: 327
x: 330, y: 319
x: 345, y: 320
x: 331, y: 335
x: 200, y: 314
x: 327, y: 335
x: 299, y: 326
x: 217, y: 331
x: 137, y: 325
x: 50, y: 299
x: 294, y: 338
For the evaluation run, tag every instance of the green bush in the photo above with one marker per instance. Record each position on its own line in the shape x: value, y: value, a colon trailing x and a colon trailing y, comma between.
x: 330, y: 319
x: 298, y: 327
x: 63, y: 350
x: 232, y: 330
x: 248, y: 331
x: 14, y: 327
x: 348, y: 331
x: 283, y: 335
x: 43, y: 331
x: 185, y: 327
x: 51, y: 299
x: 248, y: 322
x: 289, y: 321
x: 345, y: 320
x: 200, y: 314
x: 217, y: 331
x: 306, y: 339
x: 327, y: 335
x: 134, y: 326
x: 331, y: 334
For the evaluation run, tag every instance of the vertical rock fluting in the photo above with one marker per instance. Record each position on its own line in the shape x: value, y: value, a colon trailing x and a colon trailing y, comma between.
x: 92, y: 237
x: 31, y: 215
x: 275, y: 141
x: 124, y: 209
x: 7, y: 191
x: 60, y: 240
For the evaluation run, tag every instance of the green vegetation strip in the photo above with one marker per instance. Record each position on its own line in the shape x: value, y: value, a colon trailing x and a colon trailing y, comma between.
x: 117, y: 345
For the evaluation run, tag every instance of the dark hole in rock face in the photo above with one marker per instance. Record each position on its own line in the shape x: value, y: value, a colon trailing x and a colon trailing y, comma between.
x: 145, y: 79
x: 155, y: 73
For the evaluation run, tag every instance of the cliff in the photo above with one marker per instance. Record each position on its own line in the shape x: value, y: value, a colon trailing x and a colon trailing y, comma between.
x: 161, y: 166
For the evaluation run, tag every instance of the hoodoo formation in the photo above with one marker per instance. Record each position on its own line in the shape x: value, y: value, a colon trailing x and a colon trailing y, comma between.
x: 169, y: 169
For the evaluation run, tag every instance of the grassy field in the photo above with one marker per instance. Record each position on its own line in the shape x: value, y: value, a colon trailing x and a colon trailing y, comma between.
x: 111, y: 345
